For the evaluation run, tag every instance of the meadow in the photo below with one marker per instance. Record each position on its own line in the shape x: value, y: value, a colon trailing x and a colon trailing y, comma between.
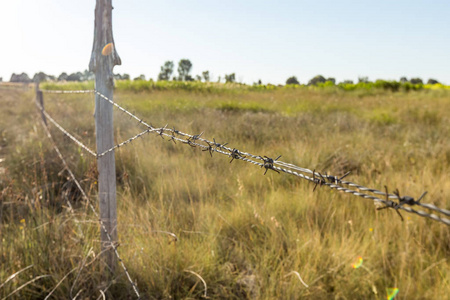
x: 244, y: 233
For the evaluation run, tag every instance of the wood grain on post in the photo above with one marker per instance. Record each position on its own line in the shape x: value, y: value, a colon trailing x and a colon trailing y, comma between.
x: 102, y: 65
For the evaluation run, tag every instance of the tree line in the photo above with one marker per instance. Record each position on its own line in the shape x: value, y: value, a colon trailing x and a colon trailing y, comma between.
x: 319, y: 79
x: 184, y: 74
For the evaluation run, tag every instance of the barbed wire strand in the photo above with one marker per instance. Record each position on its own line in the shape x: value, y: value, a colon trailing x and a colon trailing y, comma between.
x: 86, y: 148
x: 141, y: 134
x: 65, y: 132
x: 68, y: 91
x: 363, y: 188
x: 52, y: 141
x: 192, y: 138
x: 86, y: 198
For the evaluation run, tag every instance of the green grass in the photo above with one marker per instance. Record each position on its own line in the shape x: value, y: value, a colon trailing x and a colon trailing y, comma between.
x: 138, y: 86
x: 244, y: 233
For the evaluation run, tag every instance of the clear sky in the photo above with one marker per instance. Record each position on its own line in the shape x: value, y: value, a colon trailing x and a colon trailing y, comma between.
x: 267, y: 40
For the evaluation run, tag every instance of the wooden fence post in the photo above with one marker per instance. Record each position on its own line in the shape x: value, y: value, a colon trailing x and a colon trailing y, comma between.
x: 40, y: 101
x: 103, y: 59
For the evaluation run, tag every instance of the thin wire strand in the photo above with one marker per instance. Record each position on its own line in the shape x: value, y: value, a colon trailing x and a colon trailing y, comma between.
x: 79, y: 143
x: 365, y: 189
x: 126, y: 142
x: 67, y: 92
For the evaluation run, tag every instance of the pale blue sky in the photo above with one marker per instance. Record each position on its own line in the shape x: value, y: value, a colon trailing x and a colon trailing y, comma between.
x: 267, y: 40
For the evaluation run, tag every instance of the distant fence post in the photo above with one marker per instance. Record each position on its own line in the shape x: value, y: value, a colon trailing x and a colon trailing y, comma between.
x: 40, y: 101
x: 103, y: 59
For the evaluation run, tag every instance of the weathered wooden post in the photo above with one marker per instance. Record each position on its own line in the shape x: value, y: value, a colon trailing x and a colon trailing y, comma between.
x: 103, y: 59
x: 40, y: 101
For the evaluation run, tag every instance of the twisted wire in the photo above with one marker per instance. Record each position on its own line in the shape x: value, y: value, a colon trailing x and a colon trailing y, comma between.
x: 365, y: 189
x: 86, y: 148
x: 126, y: 142
x: 86, y: 198
x: 66, y: 167
x: 289, y: 168
x: 80, y: 144
x: 67, y: 92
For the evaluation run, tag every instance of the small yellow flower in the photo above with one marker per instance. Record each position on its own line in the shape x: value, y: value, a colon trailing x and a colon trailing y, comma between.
x: 22, y: 221
x: 370, y: 229
x: 21, y: 227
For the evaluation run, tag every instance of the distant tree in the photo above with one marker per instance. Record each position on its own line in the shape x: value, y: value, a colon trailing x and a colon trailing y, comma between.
x: 403, y: 79
x: 40, y: 77
x: 363, y: 79
x: 198, y: 77
x: 87, y: 75
x: 78, y: 76
x: 317, y: 79
x: 416, y: 81
x: 166, y: 71
x: 140, y: 77
x: 205, y: 75
x: 63, y: 76
x: 117, y: 77
x: 259, y: 82
x: 1, y: 79
x: 230, y: 78
x: 292, y: 80
x: 20, y: 78
x: 184, y: 68
x: 126, y: 76
x: 219, y: 79
x: 331, y: 79
x: 432, y: 81
x: 347, y: 81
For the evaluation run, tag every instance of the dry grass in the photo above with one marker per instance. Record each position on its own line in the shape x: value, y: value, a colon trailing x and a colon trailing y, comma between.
x: 242, y: 232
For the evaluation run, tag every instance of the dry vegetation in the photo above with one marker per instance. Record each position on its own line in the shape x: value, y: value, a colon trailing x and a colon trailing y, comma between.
x: 244, y: 233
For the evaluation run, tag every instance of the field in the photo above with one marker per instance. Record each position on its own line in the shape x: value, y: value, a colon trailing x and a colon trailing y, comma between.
x: 243, y: 232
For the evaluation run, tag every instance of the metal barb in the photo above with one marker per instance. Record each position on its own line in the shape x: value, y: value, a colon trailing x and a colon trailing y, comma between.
x: 235, y: 154
x: 318, y: 181
x: 392, y: 204
x: 335, y: 179
x: 189, y: 142
x: 161, y: 131
x: 197, y: 136
x: 409, y: 200
x: 220, y: 146
x: 172, y: 137
x: 268, y: 163
x: 210, y: 148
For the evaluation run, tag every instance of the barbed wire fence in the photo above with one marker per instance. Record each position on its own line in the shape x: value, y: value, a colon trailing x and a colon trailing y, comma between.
x: 211, y: 146
x: 394, y: 200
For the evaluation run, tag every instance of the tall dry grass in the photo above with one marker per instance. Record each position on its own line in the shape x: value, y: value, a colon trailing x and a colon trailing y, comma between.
x: 244, y: 233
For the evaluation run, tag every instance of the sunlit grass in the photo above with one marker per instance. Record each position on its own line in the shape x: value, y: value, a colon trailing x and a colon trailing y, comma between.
x: 243, y: 232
